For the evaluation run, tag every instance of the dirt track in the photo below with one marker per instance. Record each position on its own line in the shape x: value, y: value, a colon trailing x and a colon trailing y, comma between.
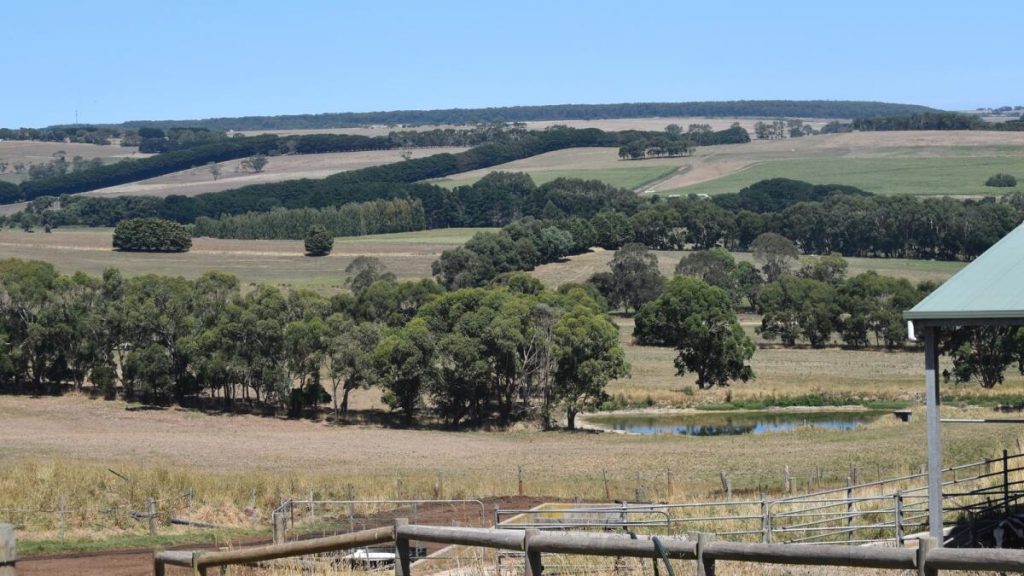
x: 139, y: 562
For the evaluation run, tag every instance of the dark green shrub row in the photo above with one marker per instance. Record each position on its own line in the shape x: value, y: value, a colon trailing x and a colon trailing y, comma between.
x: 151, y: 235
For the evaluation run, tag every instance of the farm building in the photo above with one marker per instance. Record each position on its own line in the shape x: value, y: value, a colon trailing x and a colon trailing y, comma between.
x: 987, y: 292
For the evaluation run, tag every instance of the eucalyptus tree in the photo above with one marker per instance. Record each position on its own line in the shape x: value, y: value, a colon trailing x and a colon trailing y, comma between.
x: 587, y: 357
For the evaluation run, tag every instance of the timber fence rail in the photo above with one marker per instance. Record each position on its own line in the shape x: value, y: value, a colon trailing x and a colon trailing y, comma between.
x: 927, y: 559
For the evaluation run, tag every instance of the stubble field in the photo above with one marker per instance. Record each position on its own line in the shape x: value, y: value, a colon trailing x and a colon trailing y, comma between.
x: 200, y: 180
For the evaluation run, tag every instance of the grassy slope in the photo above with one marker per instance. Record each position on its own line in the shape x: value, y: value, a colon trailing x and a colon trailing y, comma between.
x: 274, y: 261
x: 890, y: 176
x: 920, y: 163
x: 630, y: 175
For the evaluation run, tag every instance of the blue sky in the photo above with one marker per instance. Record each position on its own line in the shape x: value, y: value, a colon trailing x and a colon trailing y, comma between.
x: 114, y: 61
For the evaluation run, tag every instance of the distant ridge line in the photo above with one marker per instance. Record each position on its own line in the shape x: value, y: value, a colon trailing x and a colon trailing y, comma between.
x: 833, y: 109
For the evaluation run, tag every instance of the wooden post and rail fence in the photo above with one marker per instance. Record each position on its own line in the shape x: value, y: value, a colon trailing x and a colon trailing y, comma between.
x: 926, y: 560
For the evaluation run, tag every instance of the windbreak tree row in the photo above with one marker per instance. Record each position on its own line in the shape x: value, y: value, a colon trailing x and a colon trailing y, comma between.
x: 354, y: 219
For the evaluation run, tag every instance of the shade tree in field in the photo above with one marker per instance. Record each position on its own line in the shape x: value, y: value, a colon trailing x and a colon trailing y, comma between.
x: 982, y: 354
x: 255, y: 163
x: 587, y: 356
x: 151, y: 235
x: 318, y: 241
x: 699, y: 321
x: 1001, y: 181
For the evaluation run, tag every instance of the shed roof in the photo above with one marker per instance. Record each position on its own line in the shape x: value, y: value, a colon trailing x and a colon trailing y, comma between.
x: 988, y: 290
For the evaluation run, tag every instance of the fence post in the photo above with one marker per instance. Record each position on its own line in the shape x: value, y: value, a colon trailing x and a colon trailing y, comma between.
x: 402, y: 555
x: 351, y: 509
x: 8, y: 551
x: 898, y: 508
x: 280, y: 525
x: 534, y: 565
x: 924, y: 546
x: 1006, y: 483
x: 726, y: 484
x: 705, y: 566
x: 607, y: 490
x: 766, y: 522
x: 849, y: 509
x: 669, y: 488
x: 61, y: 506
x: 151, y: 513
x: 520, y: 480
x: 787, y: 482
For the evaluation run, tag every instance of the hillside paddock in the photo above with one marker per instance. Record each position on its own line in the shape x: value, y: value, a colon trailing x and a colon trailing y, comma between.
x: 199, y: 180
x: 922, y: 163
x: 280, y: 262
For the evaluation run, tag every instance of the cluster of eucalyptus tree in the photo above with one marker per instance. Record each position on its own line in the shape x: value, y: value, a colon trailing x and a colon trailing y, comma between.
x: 471, y: 356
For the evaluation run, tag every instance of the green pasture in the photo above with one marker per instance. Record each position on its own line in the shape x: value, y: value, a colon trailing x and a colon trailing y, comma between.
x: 633, y: 175
x: 889, y: 176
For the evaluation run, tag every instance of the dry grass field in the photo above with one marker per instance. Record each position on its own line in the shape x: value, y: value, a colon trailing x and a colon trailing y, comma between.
x: 281, y: 262
x: 31, y: 152
x: 13, y: 151
x: 199, y: 180
x: 64, y: 446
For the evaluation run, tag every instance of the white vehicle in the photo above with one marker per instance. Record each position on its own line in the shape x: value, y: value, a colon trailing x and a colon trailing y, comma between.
x: 369, y: 558
x: 379, y: 557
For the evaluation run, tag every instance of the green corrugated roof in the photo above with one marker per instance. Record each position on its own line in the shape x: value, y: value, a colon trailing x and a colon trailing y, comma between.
x: 991, y: 287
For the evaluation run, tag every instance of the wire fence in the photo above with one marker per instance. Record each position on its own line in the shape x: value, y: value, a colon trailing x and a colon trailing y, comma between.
x: 887, y: 511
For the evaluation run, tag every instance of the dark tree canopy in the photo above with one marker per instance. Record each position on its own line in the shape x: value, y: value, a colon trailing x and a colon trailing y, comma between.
x: 1001, y: 181
x: 318, y: 241
x: 151, y: 235
x: 699, y: 321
